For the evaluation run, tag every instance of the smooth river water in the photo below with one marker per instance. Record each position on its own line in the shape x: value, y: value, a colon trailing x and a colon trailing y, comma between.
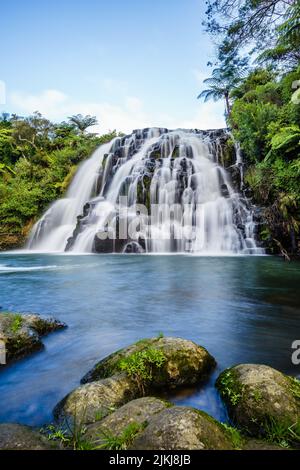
x: 242, y: 309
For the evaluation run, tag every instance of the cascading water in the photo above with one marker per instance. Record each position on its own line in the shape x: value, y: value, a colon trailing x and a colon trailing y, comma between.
x: 57, y: 224
x: 153, y: 191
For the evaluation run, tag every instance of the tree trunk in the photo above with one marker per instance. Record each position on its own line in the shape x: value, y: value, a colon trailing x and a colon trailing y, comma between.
x: 226, y: 95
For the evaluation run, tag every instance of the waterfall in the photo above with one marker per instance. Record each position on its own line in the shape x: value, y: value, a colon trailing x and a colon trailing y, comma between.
x: 57, y: 224
x: 154, y: 191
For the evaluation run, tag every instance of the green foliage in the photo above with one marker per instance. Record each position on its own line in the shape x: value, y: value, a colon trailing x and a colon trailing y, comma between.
x: 295, y: 387
x: 68, y: 435
x: 122, y: 441
x: 227, y: 74
x: 234, y: 435
x: 139, y: 365
x: 285, y: 434
x: 266, y: 122
x: 38, y: 160
x: 83, y: 122
x: 286, y: 142
x: 229, y: 387
x: 257, y: 395
x: 287, y: 45
x: 265, y: 109
x: 57, y: 434
x: 16, y: 323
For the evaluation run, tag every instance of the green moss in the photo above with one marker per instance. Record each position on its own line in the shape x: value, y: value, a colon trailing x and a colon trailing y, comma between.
x: 175, y: 153
x: 141, y: 364
x: 229, y: 387
x: 257, y: 395
x: 112, y: 441
x: 12, y: 321
x: 295, y: 387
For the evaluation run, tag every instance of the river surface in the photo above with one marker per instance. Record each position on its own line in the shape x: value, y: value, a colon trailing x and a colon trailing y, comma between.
x: 242, y: 309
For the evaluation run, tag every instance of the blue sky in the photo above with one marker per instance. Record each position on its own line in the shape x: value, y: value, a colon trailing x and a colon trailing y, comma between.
x: 132, y: 63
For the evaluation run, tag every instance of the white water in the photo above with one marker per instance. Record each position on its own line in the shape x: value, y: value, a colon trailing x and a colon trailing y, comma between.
x: 213, y: 216
x: 52, y: 231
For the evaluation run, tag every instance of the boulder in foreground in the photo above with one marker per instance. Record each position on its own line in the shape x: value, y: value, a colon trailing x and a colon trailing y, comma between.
x: 168, y: 363
x: 148, y: 365
x: 93, y: 401
x: 262, y: 401
x: 124, y: 423
x: 183, y: 428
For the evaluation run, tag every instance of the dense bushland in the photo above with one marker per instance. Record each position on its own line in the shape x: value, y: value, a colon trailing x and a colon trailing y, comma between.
x: 37, y: 162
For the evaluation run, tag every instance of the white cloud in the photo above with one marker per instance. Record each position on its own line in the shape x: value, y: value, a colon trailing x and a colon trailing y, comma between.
x: 128, y: 115
x: 48, y: 102
x: 57, y: 106
x: 199, y: 75
x: 133, y: 104
x: 208, y: 115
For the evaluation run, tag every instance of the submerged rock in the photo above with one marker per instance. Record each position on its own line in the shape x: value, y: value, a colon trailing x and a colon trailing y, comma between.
x: 185, y: 363
x: 136, y: 414
x: 260, y: 399
x: 20, y: 334
x: 19, y: 437
x: 91, y: 402
x: 183, y: 428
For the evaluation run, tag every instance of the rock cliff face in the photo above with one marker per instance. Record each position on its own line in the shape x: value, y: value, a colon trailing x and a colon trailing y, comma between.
x: 156, y: 191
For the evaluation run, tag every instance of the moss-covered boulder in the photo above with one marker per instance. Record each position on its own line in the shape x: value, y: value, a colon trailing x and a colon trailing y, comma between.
x: 20, y: 334
x: 261, y: 401
x: 91, y: 402
x: 156, y: 363
x: 19, y: 437
x: 183, y: 428
x: 124, y: 423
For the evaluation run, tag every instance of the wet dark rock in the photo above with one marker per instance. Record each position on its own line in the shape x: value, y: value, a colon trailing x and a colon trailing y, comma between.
x: 104, y: 244
x: 21, y: 333
x: 235, y: 174
x: 133, y: 247
x: 224, y: 190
